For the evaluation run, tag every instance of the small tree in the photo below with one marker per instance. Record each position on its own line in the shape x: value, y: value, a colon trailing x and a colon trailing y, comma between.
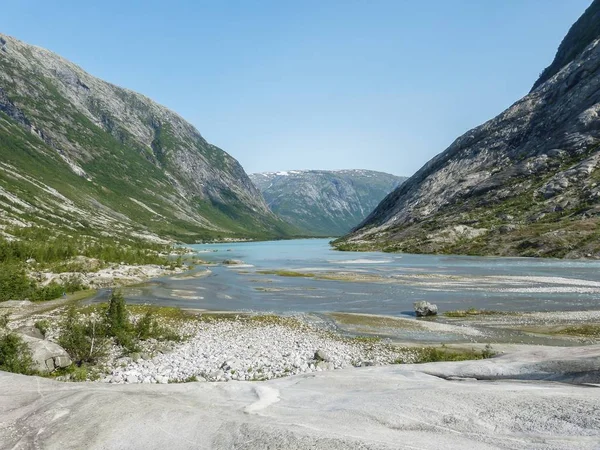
x: 118, y: 324
x: 84, y: 341
x: 117, y: 317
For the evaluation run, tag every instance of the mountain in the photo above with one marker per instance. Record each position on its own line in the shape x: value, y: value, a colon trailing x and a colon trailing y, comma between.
x: 321, y: 202
x: 525, y: 183
x: 81, y: 154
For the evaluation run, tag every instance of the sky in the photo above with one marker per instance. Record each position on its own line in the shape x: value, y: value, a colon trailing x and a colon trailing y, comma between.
x: 328, y: 84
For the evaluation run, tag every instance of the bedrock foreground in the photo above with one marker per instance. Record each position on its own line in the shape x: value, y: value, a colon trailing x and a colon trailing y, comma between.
x: 536, y: 398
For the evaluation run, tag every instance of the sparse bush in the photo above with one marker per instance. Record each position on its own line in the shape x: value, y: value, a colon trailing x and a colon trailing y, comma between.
x: 43, y: 325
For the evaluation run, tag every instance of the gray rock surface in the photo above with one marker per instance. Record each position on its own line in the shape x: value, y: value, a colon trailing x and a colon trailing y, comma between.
x: 325, y: 202
x: 403, y: 406
x: 538, y: 161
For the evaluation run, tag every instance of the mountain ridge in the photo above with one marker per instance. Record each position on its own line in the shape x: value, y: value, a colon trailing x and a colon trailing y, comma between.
x: 324, y: 202
x: 524, y: 183
x: 136, y: 162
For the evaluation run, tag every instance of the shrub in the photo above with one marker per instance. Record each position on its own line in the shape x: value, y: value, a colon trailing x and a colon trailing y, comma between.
x: 117, y: 317
x: 43, y: 325
x: 15, y: 355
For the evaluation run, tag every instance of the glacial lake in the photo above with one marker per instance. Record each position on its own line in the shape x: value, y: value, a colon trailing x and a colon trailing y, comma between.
x: 372, y: 282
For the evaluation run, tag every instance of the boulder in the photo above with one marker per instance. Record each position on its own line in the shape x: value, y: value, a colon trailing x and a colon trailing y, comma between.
x: 424, y: 309
x: 47, y: 356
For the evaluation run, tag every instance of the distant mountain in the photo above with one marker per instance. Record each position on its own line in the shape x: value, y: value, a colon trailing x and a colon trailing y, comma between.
x: 80, y: 154
x: 525, y: 183
x: 321, y: 202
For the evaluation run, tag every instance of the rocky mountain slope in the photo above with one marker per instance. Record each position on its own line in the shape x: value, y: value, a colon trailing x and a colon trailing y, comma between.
x: 325, y: 203
x: 524, y: 183
x: 82, y: 154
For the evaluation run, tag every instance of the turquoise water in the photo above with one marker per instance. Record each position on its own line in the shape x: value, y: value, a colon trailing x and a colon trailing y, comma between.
x: 453, y: 282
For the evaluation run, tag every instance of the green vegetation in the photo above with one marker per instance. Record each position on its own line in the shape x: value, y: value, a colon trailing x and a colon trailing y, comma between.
x: 471, y: 312
x: 15, y: 355
x: 38, y: 250
x: 16, y: 285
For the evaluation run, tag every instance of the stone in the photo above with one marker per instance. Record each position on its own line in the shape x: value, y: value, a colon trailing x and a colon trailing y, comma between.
x: 135, y: 357
x: 324, y: 365
x: 123, y: 361
x: 116, y: 379
x: 424, y: 309
x: 162, y: 379
x: 132, y: 378
x: 320, y: 355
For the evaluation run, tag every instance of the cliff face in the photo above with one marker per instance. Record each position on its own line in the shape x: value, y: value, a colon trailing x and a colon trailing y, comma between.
x: 116, y: 158
x: 523, y: 183
x: 325, y: 203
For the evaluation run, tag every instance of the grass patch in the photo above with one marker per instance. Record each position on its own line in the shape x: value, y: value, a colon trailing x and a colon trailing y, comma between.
x: 443, y: 353
x: 287, y: 273
x: 367, y: 339
x: 372, y: 321
x: 587, y: 330
x: 471, y: 312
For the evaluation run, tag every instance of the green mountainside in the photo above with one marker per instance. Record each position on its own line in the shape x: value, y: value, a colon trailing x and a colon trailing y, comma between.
x: 83, y: 156
x: 322, y: 202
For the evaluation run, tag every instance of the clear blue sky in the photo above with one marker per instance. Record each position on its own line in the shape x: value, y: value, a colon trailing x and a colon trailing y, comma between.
x: 324, y: 84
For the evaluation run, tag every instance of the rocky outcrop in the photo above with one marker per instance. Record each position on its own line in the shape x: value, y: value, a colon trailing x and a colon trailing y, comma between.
x: 79, y: 151
x: 322, y: 202
x: 424, y: 406
x: 524, y: 183
x: 47, y: 356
